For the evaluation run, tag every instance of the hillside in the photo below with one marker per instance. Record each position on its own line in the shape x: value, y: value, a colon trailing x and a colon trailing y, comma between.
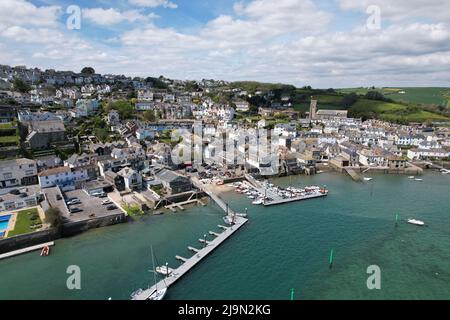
x: 401, y: 105
x: 423, y: 96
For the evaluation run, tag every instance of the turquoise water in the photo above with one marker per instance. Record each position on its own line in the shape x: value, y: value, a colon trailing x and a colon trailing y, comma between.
x: 281, y: 247
x: 4, y: 220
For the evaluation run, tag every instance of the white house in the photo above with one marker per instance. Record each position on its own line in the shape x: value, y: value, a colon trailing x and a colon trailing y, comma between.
x: 133, y: 180
x: 242, y: 106
x: 64, y: 177
x: 417, y: 154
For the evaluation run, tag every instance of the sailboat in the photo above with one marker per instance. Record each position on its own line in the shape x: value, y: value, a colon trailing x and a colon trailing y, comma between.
x: 156, y: 294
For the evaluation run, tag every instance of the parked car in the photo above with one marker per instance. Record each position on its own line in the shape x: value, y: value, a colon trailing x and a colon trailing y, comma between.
x: 75, y: 210
x: 74, y: 201
x: 15, y: 191
x: 99, y: 194
x: 107, y: 201
x: 111, y: 207
x: 58, y: 197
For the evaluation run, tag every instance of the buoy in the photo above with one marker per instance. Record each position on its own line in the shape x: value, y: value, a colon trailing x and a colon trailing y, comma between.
x: 292, y: 294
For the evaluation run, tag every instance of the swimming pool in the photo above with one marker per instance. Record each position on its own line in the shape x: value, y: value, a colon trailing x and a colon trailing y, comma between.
x: 4, y: 221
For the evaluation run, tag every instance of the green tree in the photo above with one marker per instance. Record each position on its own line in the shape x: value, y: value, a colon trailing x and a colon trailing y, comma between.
x: 149, y: 115
x: 53, y: 217
x: 124, y: 107
x: 21, y: 86
x: 88, y: 71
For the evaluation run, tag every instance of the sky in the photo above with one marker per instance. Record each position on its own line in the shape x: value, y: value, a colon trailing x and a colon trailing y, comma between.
x: 325, y: 44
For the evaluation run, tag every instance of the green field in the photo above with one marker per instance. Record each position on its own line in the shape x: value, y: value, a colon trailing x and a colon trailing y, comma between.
x: 393, y: 112
x: 9, y: 139
x: 25, y: 220
x: 424, y: 96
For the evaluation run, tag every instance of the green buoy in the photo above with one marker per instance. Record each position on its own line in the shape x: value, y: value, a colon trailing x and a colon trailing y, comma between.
x: 396, y: 219
x: 292, y: 294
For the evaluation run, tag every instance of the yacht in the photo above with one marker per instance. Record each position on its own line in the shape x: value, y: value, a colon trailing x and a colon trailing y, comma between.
x: 157, y: 293
x: 416, y: 222
x: 417, y: 179
x: 367, y: 179
x: 164, y: 270
x: 411, y: 177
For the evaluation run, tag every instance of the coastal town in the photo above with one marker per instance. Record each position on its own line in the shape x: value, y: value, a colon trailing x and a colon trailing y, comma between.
x: 84, y: 150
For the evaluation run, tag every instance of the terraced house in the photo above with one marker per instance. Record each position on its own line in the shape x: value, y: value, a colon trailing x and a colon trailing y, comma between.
x: 18, y: 172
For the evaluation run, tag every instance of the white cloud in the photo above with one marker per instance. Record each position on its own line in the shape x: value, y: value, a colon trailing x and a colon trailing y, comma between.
x: 154, y: 3
x: 287, y: 41
x: 111, y: 16
x: 21, y: 13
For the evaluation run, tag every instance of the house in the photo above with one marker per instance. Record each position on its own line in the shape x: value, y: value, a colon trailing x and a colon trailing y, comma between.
x: 116, y: 180
x: 28, y: 197
x: 132, y: 179
x: 64, y: 177
x: 113, y: 118
x: 43, y: 133
x: 420, y: 154
x: 84, y: 108
x: 173, y: 182
x: 242, y: 106
x: 18, y: 172
x: 85, y: 161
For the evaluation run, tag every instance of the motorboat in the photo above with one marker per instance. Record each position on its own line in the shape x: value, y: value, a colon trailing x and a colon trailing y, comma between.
x: 416, y: 222
x: 411, y: 177
x: 417, y: 179
x: 367, y: 179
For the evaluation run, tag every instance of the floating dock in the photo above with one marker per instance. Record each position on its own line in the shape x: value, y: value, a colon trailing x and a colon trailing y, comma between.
x: 191, y: 262
x: 25, y: 250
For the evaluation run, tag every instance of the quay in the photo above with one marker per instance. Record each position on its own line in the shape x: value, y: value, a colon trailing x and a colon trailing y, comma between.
x: 25, y: 250
x: 200, y: 254
x: 191, y: 262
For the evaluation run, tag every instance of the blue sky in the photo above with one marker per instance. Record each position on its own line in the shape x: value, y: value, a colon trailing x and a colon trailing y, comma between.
x: 327, y: 43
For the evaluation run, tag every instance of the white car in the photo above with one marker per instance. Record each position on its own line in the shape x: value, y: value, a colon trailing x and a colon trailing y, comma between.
x: 73, y: 201
x: 107, y: 201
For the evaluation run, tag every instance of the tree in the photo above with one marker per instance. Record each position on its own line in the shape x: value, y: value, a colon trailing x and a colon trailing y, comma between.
x: 149, y: 115
x: 349, y: 100
x: 88, y: 70
x: 53, y: 217
x: 21, y: 85
x: 124, y: 107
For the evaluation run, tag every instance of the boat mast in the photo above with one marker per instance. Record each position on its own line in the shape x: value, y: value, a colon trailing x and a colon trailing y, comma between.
x: 153, y: 269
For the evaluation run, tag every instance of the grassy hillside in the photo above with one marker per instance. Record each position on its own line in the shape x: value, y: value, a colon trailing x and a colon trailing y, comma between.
x: 424, y: 96
x: 393, y: 112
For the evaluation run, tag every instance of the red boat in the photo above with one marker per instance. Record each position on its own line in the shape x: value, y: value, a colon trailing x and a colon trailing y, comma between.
x: 45, y: 251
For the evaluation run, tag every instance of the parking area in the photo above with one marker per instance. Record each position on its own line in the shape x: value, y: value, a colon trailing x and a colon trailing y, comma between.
x: 91, y: 207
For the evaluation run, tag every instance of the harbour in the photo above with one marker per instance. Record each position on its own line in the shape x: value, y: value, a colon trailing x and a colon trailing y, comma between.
x: 358, y: 222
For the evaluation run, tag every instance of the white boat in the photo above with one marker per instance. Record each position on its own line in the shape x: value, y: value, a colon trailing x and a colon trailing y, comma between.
x: 164, y: 270
x: 157, y: 293
x: 445, y: 171
x: 367, y: 179
x: 416, y: 222
x: 258, y: 201
x: 228, y: 220
x: 251, y: 197
x: 411, y: 177
x: 417, y: 179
